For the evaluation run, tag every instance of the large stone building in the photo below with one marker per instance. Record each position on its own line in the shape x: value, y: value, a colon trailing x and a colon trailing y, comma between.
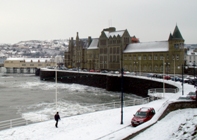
x: 114, y: 50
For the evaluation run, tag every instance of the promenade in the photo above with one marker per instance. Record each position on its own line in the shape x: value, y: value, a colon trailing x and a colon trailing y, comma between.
x: 101, y: 125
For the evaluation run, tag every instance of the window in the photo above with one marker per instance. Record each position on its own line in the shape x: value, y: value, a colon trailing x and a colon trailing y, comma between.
x: 150, y: 57
x: 144, y: 57
x: 117, y: 50
x: 130, y: 57
x: 114, y: 50
x: 103, y: 42
x: 126, y: 40
x: 155, y: 57
x: 110, y: 50
x: 155, y: 68
x: 167, y: 57
x: 144, y: 68
x: 114, y: 41
x: 125, y: 58
x: 177, y: 57
x: 150, y: 68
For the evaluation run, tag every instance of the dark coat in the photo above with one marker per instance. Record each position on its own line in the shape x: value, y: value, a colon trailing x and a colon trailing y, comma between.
x: 57, y: 117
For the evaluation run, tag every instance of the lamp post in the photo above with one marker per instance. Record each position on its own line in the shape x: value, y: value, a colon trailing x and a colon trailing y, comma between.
x: 194, y: 70
x: 182, y: 80
x: 56, y: 87
x: 163, y: 75
x: 135, y: 64
x: 182, y: 67
x: 139, y: 65
x: 174, y: 70
x: 122, y: 94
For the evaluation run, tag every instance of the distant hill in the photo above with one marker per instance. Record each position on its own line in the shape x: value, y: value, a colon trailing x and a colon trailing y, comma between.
x: 35, y: 48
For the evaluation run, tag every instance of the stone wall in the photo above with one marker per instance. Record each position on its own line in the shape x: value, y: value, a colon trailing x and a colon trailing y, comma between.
x: 109, y: 82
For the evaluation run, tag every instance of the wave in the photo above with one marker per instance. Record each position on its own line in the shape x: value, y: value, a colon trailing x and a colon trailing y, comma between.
x: 46, y: 111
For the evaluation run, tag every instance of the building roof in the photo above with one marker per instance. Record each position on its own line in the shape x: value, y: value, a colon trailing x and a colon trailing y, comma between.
x: 29, y: 59
x: 157, y: 46
x: 115, y: 33
x: 176, y: 34
x: 94, y: 44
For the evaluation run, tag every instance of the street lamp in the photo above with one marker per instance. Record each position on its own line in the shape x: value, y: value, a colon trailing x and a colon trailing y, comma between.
x: 56, y: 87
x: 139, y: 58
x: 182, y: 67
x: 194, y: 69
x: 174, y: 70
x: 135, y: 65
x: 122, y: 94
x: 163, y: 75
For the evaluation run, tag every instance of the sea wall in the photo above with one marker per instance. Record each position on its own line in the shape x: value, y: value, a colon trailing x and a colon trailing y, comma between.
x: 110, y: 82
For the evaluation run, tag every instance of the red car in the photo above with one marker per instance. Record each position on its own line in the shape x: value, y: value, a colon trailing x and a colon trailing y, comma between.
x: 92, y: 70
x: 144, y: 114
x: 167, y: 77
x: 192, y: 95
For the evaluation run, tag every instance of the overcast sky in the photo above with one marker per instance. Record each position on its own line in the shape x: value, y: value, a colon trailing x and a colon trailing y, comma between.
x: 149, y: 20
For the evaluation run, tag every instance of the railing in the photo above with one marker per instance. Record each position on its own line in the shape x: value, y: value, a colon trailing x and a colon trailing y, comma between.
x: 158, y: 92
x: 99, y: 107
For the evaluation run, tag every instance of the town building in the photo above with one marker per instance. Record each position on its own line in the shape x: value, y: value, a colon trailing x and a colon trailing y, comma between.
x: 114, y: 50
x: 27, y: 65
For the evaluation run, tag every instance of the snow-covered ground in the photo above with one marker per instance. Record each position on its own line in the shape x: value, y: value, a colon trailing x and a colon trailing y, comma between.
x: 106, y: 125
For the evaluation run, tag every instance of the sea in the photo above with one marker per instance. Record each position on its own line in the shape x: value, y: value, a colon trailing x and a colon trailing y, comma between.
x: 26, y: 96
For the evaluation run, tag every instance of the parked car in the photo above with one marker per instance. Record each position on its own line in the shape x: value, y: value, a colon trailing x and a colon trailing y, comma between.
x: 159, y: 76
x: 192, y: 95
x: 116, y: 72
x: 126, y: 72
x: 91, y: 70
x: 150, y: 75
x: 104, y: 71
x: 85, y: 70
x: 167, y: 77
x: 144, y: 114
x: 97, y: 70
x: 192, y: 81
x: 176, y: 78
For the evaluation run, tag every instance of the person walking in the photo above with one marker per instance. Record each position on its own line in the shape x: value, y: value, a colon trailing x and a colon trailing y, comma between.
x: 57, y: 118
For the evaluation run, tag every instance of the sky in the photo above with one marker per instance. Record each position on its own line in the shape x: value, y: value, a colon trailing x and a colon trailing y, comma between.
x: 150, y: 20
x: 105, y: 125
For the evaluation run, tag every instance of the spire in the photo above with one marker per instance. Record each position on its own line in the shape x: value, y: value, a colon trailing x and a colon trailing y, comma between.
x: 177, y: 33
x: 77, y: 37
x: 170, y: 37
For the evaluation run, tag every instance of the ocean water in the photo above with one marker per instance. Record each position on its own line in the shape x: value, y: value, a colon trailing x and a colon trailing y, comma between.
x: 26, y: 96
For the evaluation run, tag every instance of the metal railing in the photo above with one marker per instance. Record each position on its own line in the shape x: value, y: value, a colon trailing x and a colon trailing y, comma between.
x: 158, y: 92
x: 93, y: 108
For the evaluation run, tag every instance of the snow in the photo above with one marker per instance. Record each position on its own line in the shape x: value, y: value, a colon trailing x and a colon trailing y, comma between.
x: 29, y: 59
x: 157, y: 46
x: 114, y: 33
x: 94, y: 44
x: 105, y: 125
